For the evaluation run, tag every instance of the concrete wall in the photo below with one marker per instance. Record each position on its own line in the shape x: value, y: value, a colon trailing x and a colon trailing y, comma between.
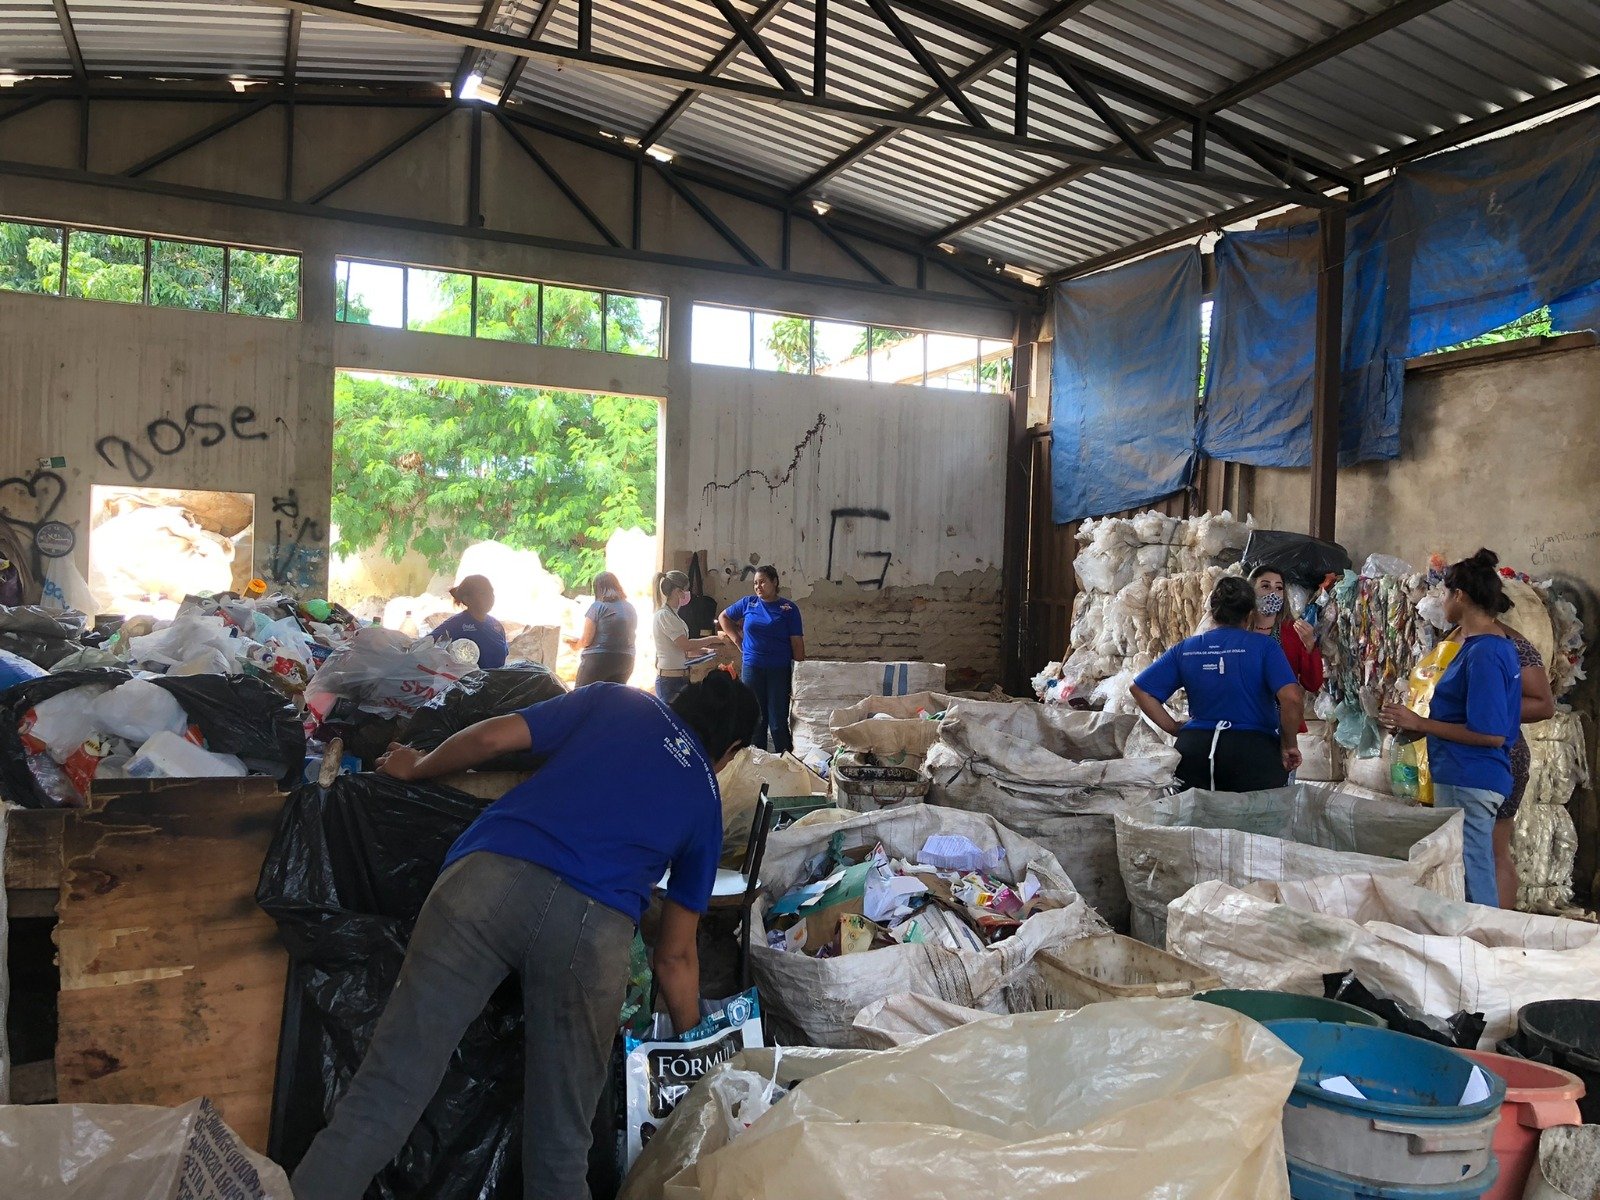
x: 75, y: 373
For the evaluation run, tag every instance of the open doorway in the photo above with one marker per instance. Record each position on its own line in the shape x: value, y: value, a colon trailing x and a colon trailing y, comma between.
x: 540, y: 490
x: 151, y: 547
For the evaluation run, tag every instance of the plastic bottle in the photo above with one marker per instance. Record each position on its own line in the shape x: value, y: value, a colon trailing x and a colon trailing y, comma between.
x: 168, y: 755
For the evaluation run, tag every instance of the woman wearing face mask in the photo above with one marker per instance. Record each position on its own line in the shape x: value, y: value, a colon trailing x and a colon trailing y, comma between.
x: 1298, y: 639
x: 673, y: 643
x: 1473, y: 718
x: 772, y: 640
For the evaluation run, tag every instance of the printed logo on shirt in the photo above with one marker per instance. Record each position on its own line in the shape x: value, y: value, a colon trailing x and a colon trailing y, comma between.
x: 679, y: 747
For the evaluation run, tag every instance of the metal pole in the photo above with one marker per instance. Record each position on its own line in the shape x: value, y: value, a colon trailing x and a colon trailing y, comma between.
x: 1329, y: 377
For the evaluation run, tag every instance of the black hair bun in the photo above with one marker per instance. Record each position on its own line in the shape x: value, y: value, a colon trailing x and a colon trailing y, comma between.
x: 1486, y: 558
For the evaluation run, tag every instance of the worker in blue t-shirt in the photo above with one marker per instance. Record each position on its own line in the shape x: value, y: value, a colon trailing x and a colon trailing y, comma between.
x: 476, y: 594
x: 548, y: 884
x: 772, y: 640
x: 1245, y: 703
x: 1474, y: 717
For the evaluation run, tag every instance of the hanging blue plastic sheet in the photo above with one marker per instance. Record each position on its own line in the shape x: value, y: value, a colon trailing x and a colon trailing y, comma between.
x: 1457, y: 245
x: 1263, y: 347
x: 1123, y: 385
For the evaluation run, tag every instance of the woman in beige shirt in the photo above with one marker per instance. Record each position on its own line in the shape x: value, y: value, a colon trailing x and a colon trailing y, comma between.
x: 673, y: 643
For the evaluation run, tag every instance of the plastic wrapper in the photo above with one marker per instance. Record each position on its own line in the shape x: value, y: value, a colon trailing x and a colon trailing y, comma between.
x: 1387, y: 564
x: 905, y: 1018
x: 1295, y: 556
x: 188, y: 636
x: 58, y: 724
x: 131, y: 1152
x: 1462, y: 1030
x: 345, y: 878
x: 1167, y: 844
x: 1163, y: 1098
x: 819, y: 997
x: 138, y: 710
x: 477, y: 697
x: 1437, y: 956
x: 384, y: 672
x: 238, y: 716
x: 15, y: 669
x: 43, y: 636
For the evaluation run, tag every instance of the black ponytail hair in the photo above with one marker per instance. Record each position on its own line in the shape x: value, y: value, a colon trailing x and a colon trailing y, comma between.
x: 1232, y: 601
x: 721, y: 711
x: 767, y: 571
x: 1478, y: 579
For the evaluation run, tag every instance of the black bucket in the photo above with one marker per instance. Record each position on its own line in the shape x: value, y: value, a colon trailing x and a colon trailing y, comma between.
x: 1565, y: 1034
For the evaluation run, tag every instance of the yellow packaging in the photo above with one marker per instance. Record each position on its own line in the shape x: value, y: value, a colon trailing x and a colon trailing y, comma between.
x: 1409, y: 775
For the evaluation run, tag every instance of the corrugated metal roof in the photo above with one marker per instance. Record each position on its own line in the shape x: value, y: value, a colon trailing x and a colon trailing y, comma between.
x: 1453, y: 61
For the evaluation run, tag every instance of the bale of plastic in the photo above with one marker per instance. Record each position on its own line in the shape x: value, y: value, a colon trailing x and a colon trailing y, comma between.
x: 1163, y: 1097
x: 1052, y: 774
x: 1167, y: 844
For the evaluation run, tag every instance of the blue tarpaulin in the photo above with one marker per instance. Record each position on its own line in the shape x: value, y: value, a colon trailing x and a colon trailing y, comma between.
x: 1123, y: 385
x: 1457, y: 245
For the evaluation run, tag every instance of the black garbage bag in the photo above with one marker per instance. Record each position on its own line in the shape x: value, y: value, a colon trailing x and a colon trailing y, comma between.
x: 41, y: 635
x: 1461, y: 1030
x: 345, y: 878
x: 1298, y: 558
x: 477, y: 697
x: 236, y: 715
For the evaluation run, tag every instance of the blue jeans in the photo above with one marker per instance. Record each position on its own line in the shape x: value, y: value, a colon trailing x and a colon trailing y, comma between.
x: 669, y: 688
x: 771, y: 686
x: 1478, y: 807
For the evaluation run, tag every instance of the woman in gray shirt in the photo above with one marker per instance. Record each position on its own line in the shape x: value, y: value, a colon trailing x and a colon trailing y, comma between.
x: 608, y: 634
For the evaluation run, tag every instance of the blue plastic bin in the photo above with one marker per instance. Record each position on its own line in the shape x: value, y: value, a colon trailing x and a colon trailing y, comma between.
x: 1309, y: 1183
x: 1407, y: 1129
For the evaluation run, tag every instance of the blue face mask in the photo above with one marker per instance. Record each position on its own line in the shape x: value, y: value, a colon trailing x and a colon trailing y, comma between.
x: 1269, y: 604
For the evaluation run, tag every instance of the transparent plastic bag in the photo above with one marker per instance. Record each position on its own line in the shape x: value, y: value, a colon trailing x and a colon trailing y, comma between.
x: 743, y: 1097
x: 385, y: 672
x: 137, y: 711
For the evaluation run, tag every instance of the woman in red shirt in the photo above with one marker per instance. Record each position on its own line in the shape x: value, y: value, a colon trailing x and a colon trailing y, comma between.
x: 1299, y: 640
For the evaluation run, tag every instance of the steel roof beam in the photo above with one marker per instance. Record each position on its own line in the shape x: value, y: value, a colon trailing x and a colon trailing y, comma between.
x: 291, y: 49
x: 719, y: 63
x: 1063, y: 12
x: 1220, y: 182
x: 1201, y: 121
x: 220, y: 125
x: 752, y: 38
x: 469, y: 56
x: 1528, y: 110
x: 399, y: 143
x: 555, y: 177
x: 541, y: 22
x: 70, y: 36
x: 914, y: 47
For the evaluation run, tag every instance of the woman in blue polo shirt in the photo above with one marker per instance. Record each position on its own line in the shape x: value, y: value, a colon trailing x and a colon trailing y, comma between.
x: 1245, y: 703
x: 476, y: 594
x: 772, y: 640
x: 1474, y: 717
x: 548, y: 884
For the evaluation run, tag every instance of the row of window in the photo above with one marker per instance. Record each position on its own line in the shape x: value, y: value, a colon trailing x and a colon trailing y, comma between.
x: 57, y: 260
x: 502, y: 310
x: 60, y: 260
x: 770, y: 341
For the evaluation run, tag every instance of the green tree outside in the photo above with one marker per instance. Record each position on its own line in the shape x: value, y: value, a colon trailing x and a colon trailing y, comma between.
x: 434, y: 465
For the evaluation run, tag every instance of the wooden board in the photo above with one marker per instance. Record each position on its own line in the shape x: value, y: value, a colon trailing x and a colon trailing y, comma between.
x: 33, y: 848
x: 171, y: 977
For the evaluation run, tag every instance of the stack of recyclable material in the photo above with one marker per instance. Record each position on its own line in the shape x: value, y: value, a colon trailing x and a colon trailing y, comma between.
x: 1544, y: 844
x: 1126, y: 612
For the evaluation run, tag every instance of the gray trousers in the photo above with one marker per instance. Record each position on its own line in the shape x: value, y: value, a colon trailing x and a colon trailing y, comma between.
x: 487, y: 917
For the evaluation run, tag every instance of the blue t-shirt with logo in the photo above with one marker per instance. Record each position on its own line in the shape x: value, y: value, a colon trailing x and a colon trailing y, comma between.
x: 625, y: 793
x: 1230, y: 675
x: 1481, y: 689
x: 768, y: 626
x: 488, y: 633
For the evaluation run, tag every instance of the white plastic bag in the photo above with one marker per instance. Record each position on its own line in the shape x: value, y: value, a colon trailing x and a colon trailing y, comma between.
x: 62, y: 723
x: 181, y: 641
x: 1146, y: 1098
x: 138, y: 710
x: 130, y: 1152
x: 385, y: 672
x: 171, y: 757
x: 743, y: 1098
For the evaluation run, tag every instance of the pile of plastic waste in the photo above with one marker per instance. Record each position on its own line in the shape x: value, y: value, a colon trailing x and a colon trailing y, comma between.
x: 949, y: 896
x: 1142, y: 586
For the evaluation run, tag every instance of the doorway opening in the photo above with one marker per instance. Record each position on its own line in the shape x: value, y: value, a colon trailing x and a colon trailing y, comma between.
x: 151, y: 547
x: 540, y: 490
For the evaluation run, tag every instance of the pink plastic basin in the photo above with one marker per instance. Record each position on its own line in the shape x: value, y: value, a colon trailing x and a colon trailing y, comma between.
x: 1537, y: 1097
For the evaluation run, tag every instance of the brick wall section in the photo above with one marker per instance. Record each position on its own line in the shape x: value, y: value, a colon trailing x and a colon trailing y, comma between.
x: 957, y: 624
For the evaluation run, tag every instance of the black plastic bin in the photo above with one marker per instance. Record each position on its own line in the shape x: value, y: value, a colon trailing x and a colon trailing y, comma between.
x: 1565, y: 1034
